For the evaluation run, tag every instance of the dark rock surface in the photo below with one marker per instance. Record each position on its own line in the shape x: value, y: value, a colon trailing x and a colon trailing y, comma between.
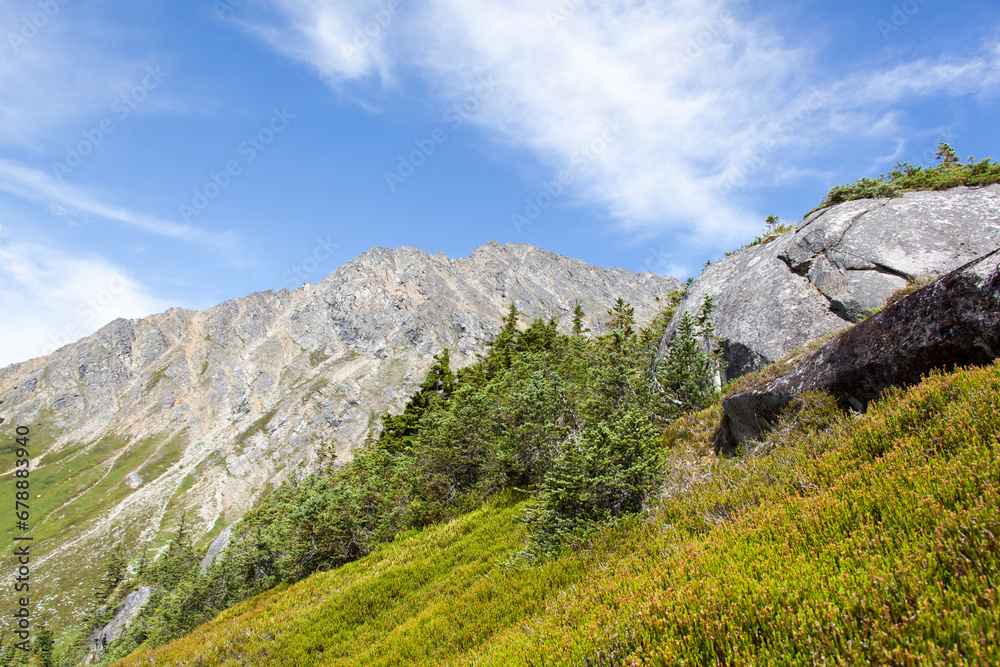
x: 955, y: 321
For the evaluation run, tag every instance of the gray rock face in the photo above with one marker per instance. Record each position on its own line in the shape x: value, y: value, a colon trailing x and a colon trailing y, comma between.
x: 954, y: 321
x: 216, y: 547
x: 203, y: 412
x: 837, y: 264
x: 128, y: 610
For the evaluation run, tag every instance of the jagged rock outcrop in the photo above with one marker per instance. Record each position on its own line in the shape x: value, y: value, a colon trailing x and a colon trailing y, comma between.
x: 954, y: 321
x: 128, y: 610
x: 203, y: 412
x: 216, y: 547
x: 837, y: 264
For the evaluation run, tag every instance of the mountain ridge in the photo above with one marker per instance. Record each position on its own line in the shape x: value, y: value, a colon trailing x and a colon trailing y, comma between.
x: 199, y: 413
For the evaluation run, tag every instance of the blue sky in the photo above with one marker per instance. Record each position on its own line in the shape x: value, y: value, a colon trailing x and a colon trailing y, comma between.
x: 182, y: 153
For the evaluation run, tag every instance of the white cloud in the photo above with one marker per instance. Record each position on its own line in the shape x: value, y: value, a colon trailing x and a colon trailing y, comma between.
x: 64, y: 199
x: 714, y: 97
x: 342, y: 40
x: 52, y: 298
x: 976, y: 76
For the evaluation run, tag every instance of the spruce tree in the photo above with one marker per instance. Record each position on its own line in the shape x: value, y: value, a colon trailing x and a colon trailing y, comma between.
x: 578, y: 314
x: 622, y: 317
x: 691, y: 363
x: 114, y: 574
x: 502, y: 347
x: 43, y: 646
x: 180, y: 558
x: 398, y: 430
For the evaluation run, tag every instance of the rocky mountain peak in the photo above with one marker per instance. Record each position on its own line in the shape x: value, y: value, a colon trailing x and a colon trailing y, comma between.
x: 203, y: 412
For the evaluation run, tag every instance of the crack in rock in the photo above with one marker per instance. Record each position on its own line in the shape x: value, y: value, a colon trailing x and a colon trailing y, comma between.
x: 845, y: 287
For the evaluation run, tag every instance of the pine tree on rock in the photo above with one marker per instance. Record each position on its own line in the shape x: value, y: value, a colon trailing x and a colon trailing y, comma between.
x: 946, y: 155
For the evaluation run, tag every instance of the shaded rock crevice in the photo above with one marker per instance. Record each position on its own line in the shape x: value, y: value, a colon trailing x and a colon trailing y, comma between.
x: 853, y: 288
x: 952, y: 322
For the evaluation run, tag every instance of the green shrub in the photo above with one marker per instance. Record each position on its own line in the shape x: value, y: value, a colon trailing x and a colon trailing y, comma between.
x: 904, y: 177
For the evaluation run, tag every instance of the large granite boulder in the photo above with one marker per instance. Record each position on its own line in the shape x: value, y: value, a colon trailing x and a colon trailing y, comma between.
x: 836, y: 265
x: 951, y: 322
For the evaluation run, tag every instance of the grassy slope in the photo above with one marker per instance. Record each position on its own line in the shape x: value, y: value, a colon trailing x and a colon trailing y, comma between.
x: 407, y: 603
x: 872, y: 540
x: 69, y: 492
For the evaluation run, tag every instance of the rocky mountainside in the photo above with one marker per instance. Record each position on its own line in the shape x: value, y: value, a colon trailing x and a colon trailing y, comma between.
x: 839, y: 263
x: 200, y: 413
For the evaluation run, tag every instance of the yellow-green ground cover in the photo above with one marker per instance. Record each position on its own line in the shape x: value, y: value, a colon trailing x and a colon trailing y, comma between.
x: 841, y: 540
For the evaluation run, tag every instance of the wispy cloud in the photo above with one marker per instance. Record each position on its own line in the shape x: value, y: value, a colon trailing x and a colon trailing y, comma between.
x: 979, y: 75
x: 62, y: 74
x: 713, y: 99
x: 341, y: 40
x: 63, y: 198
x: 59, y: 298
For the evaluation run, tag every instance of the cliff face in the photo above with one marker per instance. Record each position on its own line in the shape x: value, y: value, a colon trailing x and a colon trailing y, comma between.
x: 201, y: 413
x: 836, y: 265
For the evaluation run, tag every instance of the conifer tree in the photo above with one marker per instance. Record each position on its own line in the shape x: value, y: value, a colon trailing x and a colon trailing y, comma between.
x: 691, y: 364
x: 540, y: 336
x: 946, y: 155
x: 179, y: 559
x: 399, y: 430
x: 42, y: 649
x: 622, y: 317
x: 578, y: 314
x: 502, y: 347
x: 114, y: 574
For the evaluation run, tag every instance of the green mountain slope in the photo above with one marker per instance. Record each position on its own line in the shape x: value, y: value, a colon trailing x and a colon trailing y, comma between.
x: 429, y: 596
x: 840, y: 540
